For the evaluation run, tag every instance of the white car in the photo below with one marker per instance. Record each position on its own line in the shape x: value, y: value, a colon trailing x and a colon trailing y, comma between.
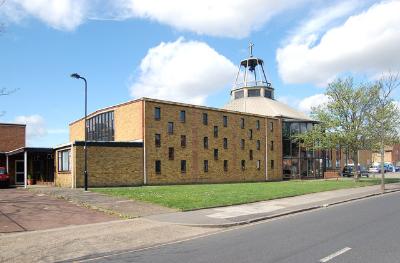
x: 374, y: 169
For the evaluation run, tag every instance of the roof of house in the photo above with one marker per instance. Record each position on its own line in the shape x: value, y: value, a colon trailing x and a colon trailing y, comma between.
x: 267, y: 107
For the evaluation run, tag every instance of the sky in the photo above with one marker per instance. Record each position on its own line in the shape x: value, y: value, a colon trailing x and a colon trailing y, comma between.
x: 181, y: 50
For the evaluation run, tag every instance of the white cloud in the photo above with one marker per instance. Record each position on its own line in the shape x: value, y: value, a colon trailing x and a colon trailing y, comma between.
x: 308, y: 103
x: 229, y: 18
x: 366, y: 43
x: 186, y: 71
x: 35, y: 126
x: 59, y: 14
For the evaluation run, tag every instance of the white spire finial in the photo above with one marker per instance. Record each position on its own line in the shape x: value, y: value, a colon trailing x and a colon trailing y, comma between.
x: 251, y: 45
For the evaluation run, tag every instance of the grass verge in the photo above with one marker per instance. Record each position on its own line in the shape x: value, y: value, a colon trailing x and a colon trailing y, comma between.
x: 191, y: 197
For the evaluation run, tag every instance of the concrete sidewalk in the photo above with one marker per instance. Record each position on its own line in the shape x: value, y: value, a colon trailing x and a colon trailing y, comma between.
x: 125, y: 208
x: 248, y: 213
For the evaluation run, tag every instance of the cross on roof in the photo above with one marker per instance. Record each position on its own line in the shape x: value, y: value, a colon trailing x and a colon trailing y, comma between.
x: 251, y: 45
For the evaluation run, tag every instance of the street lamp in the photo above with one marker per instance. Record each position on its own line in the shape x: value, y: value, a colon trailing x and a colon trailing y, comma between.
x: 77, y: 76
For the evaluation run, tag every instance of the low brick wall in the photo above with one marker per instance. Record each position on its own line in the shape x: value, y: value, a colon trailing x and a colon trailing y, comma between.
x: 331, y: 174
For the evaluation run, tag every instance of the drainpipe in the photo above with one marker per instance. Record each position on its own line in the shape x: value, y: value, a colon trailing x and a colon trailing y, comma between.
x: 7, y: 163
x: 144, y: 143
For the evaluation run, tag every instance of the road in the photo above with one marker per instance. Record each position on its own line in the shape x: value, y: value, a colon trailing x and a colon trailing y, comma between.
x: 364, y: 231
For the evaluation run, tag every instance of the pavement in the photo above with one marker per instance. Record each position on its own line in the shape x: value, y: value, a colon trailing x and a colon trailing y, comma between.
x: 248, y: 213
x: 22, y: 210
x: 363, y: 231
x: 122, y: 207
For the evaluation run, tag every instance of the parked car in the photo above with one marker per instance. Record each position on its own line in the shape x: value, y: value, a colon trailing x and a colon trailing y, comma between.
x: 376, y: 168
x: 397, y: 168
x: 389, y: 167
x: 4, y: 178
x: 348, y: 171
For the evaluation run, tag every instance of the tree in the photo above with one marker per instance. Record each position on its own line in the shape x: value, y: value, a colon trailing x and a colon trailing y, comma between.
x: 343, y: 120
x: 384, y: 118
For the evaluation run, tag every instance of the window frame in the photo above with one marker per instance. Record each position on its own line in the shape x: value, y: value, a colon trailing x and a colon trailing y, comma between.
x: 170, y: 127
x: 157, y: 113
x: 157, y: 166
x: 215, y: 131
x: 182, y: 116
x: 183, y: 166
x: 205, y: 142
x: 225, y: 143
x: 205, y: 118
x: 183, y: 141
x: 205, y: 166
x: 243, y: 165
x: 242, y: 124
x: 225, y: 120
x: 157, y: 140
x: 60, y: 159
x: 171, y: 153
x: 225, y: 165
x: 216, y: 154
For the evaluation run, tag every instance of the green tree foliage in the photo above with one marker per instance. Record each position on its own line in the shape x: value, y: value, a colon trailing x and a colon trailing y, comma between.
x: 350, y: 117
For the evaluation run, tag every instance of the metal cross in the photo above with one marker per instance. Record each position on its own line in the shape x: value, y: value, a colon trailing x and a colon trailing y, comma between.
x: 251, y: 45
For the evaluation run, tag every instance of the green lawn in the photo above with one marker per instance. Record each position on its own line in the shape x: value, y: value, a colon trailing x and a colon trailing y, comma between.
x: 191, y: 197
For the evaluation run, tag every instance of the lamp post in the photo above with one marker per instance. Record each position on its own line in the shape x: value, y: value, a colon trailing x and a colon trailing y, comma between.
x: 77, y: 76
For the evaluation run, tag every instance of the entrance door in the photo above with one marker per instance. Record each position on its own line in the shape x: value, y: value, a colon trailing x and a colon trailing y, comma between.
x: 19, y: 172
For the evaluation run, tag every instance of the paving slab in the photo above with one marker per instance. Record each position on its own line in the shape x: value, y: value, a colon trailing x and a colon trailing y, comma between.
x: 22, y: 210
x: 247, y: 213
x: 121, y: 206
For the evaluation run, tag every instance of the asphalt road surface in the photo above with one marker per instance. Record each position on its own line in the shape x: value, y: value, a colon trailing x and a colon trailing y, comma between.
x: 362, y: 231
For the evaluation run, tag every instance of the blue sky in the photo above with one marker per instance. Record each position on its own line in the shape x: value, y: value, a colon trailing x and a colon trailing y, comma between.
x: 185, y: 51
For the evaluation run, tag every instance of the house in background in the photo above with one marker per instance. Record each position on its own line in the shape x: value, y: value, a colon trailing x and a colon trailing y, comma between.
x: 21, y: 161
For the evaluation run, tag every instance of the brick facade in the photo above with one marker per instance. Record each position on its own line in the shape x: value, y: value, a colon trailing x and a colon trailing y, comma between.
x: 12, y: 136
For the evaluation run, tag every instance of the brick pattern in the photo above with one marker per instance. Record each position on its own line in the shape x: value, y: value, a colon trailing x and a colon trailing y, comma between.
x: 109, y: 166
x: 12, y: 136
x: 194, y: 152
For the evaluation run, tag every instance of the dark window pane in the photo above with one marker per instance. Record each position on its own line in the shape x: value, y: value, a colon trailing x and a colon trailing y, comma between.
x: 251, y: 154
x: 183, y: 141
x: 170, y: 127
x: 258, y: 165
x: 225, y: 165
x: 268, y: 94
x: 239, y: 94
x: 157, y: 113
x: 258, y: 145
x: 225, y: 143
x: 171, y: 153
x: 257, y: 124
x: 250, y: 134
x: 225, y: 121
x: 158, y: 140
x: 272, y: 145
x: 182, y: 116
x: 205, y: 118
x: 158, y: 166
x: 205, y: 165
x: 272, y: 164
x: 243, y: 165
x: 100, y: 127
x: 242, y: 123
x: 215, y: 154
x: 271, y: 126
x: 215, y: 131
x: 183, y: 166
x: 205, y: 141
x: 242, y: 142
x: 253, y: 93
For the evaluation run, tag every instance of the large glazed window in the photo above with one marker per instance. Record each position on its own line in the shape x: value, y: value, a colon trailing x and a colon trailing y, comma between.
x: 101, y: 127
x: 253, y: 93
x: 63, y: 160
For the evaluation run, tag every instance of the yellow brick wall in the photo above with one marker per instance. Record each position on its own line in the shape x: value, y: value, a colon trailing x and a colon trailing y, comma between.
x: 194, y: 153
x: 128, y: 125
x: 62, y: 179
x: 276, y: 154
x: 109, y: 166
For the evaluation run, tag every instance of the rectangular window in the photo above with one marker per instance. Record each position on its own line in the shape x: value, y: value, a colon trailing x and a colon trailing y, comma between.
x: 171, y: 154
x: 157, y: 113
x: 258, y: 164
x: 101, y: 127
x: 225, y: 121
x: 183, y: 141
x: 183, y: 166
x: 243, y: 165
x: 215, y: 131
x: 258, y: 145
x: 170, y: 128
x: 268, y: 94
x: 64, y: 160
x: 242, y: 144
x: 205, y: 166
x: 182, y: 116
x: 272, y: 145
x: 225, y: 165
x: 239, y: 94
x: 253, y: 93
x: 250, y: 134
x: 205, y: 118
x: 158, y: 166
x: 242, y: 123
x: 271, y: 126
x: 205, y: 142
x: 251, y: 154
x: 272, y: 164
x: 215, y: 154
x: 157, y: 140
x: 257, y: 124
x: 225, y: 143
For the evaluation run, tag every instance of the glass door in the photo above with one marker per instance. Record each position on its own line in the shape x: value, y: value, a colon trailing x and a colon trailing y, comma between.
x: 19, y: 172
